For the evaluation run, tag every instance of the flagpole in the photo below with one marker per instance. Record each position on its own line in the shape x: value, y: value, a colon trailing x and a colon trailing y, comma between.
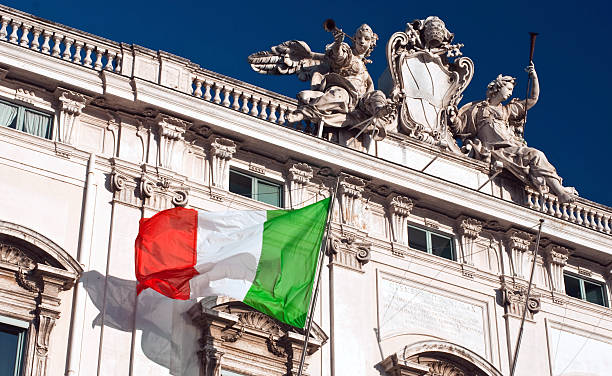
x: 322, y: 252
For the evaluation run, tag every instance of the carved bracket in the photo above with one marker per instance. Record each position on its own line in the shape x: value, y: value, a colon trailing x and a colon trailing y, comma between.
x: 399, y: 208
x: 518, y: 243
x: 352, y: 210
x: 298, y: 176
x: 514, y: 296
x: 71, y: 106
x: 556, y: 259
x: 349, y: 251
x: 468, y: 229
x: 221, y: 151
x: 171, y: 132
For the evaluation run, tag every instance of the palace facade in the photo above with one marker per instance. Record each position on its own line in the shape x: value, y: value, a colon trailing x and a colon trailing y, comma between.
x: 429, y: 256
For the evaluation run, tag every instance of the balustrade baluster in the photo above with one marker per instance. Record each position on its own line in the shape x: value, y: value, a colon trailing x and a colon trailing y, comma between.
x: 35, y: 35
x: 207, y: 85
x: 14, y: 26
x: 537, y: 200
x: 245, y: 103
x: 544, y: 201
x: 46, y: 38
x: 217, y: 97
x: 25, y: 30
x: 564, y: 208
x: 558, y: 212
x: 572, y: 213
x: 235, y: 101
x: 4, y: 23
x: 110, y: 58
x: 198, y: 88
x: 78, y: 46
x: 579, y: 212
x: 255, y: 103
x: 118, y: 60
x: 67, y: 55
x: 281, y: 114
x: 88, y: 60
x: 273, y: 107
x: 598, y: 218
x: 606, y: 221
x: 56, y: 51
x: 226, y: 97
x: 263, y: 114
x: 529, y: 198
x: 99, y: 54
x: 592, y: 218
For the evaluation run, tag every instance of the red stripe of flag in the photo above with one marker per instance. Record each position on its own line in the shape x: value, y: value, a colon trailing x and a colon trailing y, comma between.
x: 166, y: 252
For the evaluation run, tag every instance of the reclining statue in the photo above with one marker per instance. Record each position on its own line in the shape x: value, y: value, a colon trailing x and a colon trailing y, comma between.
x: 494, y: 132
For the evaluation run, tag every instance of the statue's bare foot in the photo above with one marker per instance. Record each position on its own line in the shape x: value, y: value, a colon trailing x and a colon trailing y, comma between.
x: 295, y: 116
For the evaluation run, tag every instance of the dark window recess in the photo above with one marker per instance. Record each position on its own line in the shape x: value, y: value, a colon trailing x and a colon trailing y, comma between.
x: 427, y: 241
x: 12, y: 345
x: 25, y: 119
x: 581, y: 288
x: 256, y: 188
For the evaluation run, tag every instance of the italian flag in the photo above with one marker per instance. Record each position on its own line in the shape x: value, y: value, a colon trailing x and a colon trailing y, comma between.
x: 267, y: 259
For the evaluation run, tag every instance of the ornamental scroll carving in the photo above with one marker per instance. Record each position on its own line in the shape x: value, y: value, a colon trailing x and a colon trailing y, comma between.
x: 349, y: 251
x: 71, y: 107
x: 299, y: 175
x: 514, y: 297
x: 469, y: 229
x: 517, y: 244
x: 556, y: 259
x: 428, y: 82
x: 399, y: 208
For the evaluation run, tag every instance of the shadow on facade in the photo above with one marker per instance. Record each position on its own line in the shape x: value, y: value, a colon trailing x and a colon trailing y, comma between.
x: 164, y: 333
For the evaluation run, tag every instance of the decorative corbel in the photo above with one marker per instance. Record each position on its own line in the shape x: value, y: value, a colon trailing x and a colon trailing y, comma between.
x: 556, y: 259
x: 399, y: 208
x: 299, y: 175
x: 171, y: 131
x: 350, y: 193
x: 71, y: 107
x: 468, y: 229
x: 514, y: 296
x: 221, y: 151
x: 349, y: 251
x: 518, y: 243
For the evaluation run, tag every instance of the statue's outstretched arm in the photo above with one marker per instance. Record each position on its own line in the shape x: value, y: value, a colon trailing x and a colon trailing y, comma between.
x: 535, y: 86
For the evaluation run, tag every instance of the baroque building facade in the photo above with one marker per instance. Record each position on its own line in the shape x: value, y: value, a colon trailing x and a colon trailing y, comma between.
x: 432, y: 240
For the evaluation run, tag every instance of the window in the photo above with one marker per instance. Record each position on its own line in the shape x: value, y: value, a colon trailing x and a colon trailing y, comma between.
x: 581, y: 288
x: 25, y: 119
x: 432, y: 243
x: 256, y: 188
x: 12, y: 345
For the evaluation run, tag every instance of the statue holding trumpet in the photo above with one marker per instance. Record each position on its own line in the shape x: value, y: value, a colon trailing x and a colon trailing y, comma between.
x: 341, y: 100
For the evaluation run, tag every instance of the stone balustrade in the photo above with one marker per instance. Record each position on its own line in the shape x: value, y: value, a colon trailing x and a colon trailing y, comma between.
x: 59, y: 41
x: 581, y: 212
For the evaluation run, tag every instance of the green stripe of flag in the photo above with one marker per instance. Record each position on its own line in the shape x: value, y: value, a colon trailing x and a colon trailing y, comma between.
x: 285, y: 274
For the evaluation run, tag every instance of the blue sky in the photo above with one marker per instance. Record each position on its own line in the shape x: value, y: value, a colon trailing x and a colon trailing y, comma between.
x: 571, y: 122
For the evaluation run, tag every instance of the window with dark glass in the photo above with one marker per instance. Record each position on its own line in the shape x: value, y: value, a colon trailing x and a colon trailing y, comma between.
x: 585, y: 289
x: 12, y: 346
x: 256, y: 188
x: 25, y: 119
x: 431, y: 242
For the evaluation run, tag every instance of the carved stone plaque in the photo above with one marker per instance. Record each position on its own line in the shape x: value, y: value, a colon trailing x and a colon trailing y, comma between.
x: 406, y: 308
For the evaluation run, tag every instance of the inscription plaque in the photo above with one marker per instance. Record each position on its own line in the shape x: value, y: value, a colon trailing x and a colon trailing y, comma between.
x: 406, y: 309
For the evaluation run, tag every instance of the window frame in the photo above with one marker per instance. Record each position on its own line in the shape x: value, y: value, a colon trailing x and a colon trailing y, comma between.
x: 429, y: 246
x: 581, y: 281
x: 22, y: 341
x: 254, y: 186
x: 22, y: 107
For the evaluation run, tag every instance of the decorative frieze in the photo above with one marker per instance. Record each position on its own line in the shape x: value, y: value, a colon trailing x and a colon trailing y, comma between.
x: 171, y: 132
x: 399, y: 208
x: 71, y: 107
x: 221, y: 151
x: 468, y: 230
x: 556, y: 259
x: 517, y: 244
x: 298, y: 177
x: 351, y: 207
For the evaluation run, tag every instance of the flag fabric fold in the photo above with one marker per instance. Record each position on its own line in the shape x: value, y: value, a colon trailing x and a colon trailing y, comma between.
x: 267, y: 259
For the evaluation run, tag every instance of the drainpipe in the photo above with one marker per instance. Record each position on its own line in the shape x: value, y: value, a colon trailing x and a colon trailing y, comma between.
x: 77, y: 323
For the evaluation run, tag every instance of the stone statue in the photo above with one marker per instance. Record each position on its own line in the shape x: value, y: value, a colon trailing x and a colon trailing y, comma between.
x: 342, y: 97
x: 492, y: 131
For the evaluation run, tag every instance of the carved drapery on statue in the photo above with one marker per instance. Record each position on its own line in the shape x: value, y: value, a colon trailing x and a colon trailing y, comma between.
x: 427, y: 82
